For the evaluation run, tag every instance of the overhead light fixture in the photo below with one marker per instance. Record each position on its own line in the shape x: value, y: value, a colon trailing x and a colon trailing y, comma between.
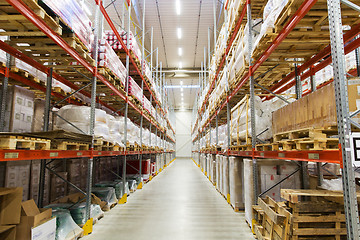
x: 180, y: 65
x: 181, y: 82
x: 182, y: 94
x: 178, y: 7
x: 180, y: 51
x: 181, y: 89
x: 179, y: 33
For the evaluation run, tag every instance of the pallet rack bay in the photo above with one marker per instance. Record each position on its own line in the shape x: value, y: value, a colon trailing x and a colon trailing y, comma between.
x: 42, y: 28
x: 306, y: 38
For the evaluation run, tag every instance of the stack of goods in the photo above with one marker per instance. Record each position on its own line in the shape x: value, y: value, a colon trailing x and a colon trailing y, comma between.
x: 241, y: 121
x: 78, y: 213
x: 306, y: 214
x: 112, y: 39
x: 135, y: 90
x: 118, y: 186
x: 109, y: 59
x: 121, y: 182
x: 80, y: 117
x: 116, y: 129
x: 132, y: 185
x: 106, y: 194
x: 133, y: 168
x: 66, y: 228
x: 75, y: 17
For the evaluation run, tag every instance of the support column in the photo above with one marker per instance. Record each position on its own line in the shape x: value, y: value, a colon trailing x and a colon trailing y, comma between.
x: 343, y: 119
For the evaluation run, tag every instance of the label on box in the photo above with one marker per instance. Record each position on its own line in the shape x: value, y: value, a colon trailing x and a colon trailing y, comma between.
x: 45, y: 231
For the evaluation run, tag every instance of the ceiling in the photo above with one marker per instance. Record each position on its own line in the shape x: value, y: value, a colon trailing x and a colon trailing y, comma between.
x: 195, y: 19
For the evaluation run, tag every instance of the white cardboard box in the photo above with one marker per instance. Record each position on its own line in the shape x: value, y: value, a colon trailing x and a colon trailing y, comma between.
x: 45, y: 231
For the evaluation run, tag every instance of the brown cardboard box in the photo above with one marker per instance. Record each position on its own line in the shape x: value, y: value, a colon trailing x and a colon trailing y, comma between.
x: 7, y: 232
x: 31, y: 217
x: 18, y: 175
x: 10, y: 205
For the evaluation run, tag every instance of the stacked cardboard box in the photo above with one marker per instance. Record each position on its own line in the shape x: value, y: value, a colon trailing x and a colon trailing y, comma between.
x: 10, y: 209
x: 18, y: 175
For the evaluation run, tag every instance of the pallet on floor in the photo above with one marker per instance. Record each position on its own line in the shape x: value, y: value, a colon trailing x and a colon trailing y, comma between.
x: 12, y: 141
x: 75, y: 235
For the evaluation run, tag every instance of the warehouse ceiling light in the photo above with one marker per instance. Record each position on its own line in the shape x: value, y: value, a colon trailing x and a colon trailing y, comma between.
x: 180, y: 51
x: 179, y: 33
x: 182, y: 89
x: 178, y: 7
x: 181, y: 82
x: 180, y: 65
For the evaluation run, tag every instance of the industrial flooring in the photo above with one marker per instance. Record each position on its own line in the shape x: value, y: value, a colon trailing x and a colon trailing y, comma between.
x: 179, y: 203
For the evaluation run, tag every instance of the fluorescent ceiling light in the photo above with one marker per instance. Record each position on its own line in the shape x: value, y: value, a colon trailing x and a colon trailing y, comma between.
x: 180, y: 65
x: 179, y: 33
x: 182, y: 94
x: 181, y: 82
x: 180, y: 51
x: 182, y: 89
x: 183, y: 86
x: 178, y: 7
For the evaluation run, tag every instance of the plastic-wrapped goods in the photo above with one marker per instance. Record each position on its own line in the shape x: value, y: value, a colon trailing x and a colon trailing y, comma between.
x: 112, y: 39
x: 135, y: 90
x: 116, y: 129
x: 66, y: 228
x: 78, y: 212
x: 223, y: 136
x: 118, y: 186
x: 236, y: 181
x: 225, y: 176
x: 127, y: 190
x: 241, y: 120
x: 248, y: 190
x: 80, y: 117
x: 132, y: 184
x: 109, y: 59
x: 106, y: 194
x: 75, y: 17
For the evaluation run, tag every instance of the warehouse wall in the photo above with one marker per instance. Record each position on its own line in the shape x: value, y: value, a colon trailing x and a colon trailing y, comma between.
x: 183, y: 133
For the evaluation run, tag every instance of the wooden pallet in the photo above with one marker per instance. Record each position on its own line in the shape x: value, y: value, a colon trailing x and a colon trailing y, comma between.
x: 75, y: 235
x: 69, y: 145
x: 246, y: 147
x: 9, y: 141
x: 264, y: 147
x: 306, y: 139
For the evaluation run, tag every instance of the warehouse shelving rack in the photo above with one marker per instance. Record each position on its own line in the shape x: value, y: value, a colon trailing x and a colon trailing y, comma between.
x: 88, y: 72
x: 333, y: 53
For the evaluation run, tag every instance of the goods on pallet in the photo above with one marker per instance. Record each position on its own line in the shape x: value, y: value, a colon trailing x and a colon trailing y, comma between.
x: 19, y: 110
x: 316, y: 110
x: 17, y: 174
x: 80, y: 117
x: 132, y: 185
x: 65, y: 225
x: 236, y: 184
x: 225, y: 176
x: 118, y: 186
x: 133, y: 168
x: 109, y: 59
x: 121, y: 182
x: 75, y: 17
x: 306, y: 214
x: 106, y: 194
x: 116, y: 129
x: 135, y: 90
x: 241, y: 121
x: 270, y: 172
x: 32, y: 217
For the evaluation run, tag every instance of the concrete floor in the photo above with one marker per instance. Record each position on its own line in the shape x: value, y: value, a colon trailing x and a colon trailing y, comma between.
x: 180, y: 203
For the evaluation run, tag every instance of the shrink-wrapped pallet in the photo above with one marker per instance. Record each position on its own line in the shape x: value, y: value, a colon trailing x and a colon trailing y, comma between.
x: 218, y: 171
x: 236, y: 182
x: 225, y: 176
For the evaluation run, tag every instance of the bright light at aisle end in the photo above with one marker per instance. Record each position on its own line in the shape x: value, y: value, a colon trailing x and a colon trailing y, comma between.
x: 178, y: 7
x: 180, y: 65
x: 179, y: 33
x: 180, y: 51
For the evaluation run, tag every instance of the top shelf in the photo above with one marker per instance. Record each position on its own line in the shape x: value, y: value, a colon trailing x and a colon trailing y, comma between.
x: 48, y: 43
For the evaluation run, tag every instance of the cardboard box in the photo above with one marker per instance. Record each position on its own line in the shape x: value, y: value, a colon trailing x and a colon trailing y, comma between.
x: 7, y: 232
x: 10, y: 205
x: 58, y: 187
x: 45, y: 231
x: 31, y: 217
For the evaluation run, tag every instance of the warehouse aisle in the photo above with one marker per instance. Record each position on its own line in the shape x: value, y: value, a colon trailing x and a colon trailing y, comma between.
x: 180, y: 203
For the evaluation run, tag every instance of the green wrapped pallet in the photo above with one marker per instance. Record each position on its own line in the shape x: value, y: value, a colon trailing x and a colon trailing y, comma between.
x: 106, y: 194
x: 116, y: 185
x: 65, y: 225
x: 127, y: 191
